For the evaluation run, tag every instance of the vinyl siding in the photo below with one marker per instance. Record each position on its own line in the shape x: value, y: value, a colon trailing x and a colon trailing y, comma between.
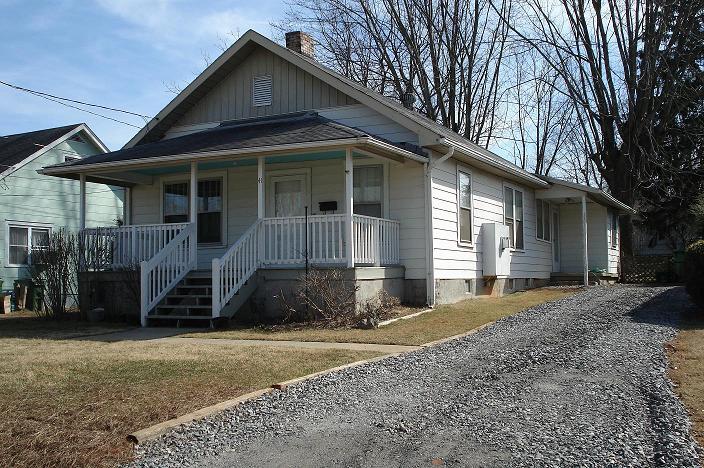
x: 455, y: 261
x: 293, y: 90
x: 26, y: 196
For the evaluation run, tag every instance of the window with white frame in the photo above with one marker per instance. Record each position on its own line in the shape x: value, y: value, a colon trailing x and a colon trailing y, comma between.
x: 368, y: 193
x: 542, y: 213
x: 513, y: 216
x: 613, y: 238
x: 23, y: 240
x: 464, y: 206
x: 210, y: 207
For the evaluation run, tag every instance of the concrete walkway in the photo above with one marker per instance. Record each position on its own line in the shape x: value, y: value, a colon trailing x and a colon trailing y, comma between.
x: 170, y: 335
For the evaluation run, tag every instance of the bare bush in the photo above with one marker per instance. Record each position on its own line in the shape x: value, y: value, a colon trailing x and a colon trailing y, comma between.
x: 55, y: 270
x: 322, y: 296
x: 375, y: 309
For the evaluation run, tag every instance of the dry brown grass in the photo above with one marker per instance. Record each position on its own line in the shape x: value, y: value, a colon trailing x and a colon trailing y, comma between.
x: 686, y: 354
x: 72, y: 402
x: 440, y: 323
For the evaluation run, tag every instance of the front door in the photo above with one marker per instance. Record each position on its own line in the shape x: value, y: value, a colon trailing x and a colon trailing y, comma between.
x: 555, y: 240
x: 288, y: 195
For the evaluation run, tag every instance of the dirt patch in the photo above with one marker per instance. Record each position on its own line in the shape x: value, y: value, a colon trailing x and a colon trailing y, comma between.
x: 686, y: 355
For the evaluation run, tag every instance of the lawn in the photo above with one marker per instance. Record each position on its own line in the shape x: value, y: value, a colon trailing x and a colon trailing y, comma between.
x: 686, y: 354
x: 71, y: 402
x: 445, y: 321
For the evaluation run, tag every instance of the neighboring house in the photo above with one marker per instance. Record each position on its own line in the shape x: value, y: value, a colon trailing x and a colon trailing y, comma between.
x: 33, y: 205
x: 267, y: 134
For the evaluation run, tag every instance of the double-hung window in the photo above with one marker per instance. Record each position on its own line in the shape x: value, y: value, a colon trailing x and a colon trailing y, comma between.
x: 513, y: 216
x: 23, y: 240
x: 464, y: 207
x: 542, y: 212
x: 210, y: 207
x: 613, y: 238
x: 368, y: 193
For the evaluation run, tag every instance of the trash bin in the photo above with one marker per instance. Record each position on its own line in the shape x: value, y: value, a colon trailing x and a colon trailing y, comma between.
x: 36, y: 298
x: 678, y: 264
x: 22, y: 287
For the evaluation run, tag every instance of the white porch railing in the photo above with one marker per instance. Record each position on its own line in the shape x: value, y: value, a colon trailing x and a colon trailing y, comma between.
x: 163, y: 271
x: 233, y: 269
x: 125, y: 246
x: 284, y: 240
x: 376, y: 240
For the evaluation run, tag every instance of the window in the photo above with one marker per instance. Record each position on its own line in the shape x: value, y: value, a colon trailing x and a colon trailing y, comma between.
x: 68, y: 158
x: 368, y: 183
x: 542, y: 213
x: 513, y: 216
x: 261, y: 91
x: 23, y: 240
x: 613, y: 241
x: 177, y: 205
x: 464, y: 206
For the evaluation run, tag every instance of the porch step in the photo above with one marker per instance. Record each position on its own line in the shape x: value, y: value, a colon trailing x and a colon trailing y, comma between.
x: 191, y: 299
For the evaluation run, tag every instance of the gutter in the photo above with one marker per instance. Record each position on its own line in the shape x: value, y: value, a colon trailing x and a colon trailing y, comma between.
x: 429, y: 244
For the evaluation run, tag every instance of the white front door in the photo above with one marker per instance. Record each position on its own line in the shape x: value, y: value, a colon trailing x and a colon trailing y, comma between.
x: 555, y: 240
x: 288, y: 195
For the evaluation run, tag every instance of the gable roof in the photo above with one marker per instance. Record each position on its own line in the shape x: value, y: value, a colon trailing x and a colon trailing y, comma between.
x: 266, y: 132
x: 225, y: 63
x: 19, y: 149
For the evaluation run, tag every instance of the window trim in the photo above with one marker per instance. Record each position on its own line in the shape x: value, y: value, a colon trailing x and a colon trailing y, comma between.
x: 465, y: 170
x: 202, y: 175
x: 540, y: 202
x: 22, y: 224
x: 515, y: 188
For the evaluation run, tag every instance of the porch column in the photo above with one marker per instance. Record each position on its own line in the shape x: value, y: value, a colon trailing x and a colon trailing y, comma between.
x: 127, y: 206
x: 82, y: 203
x: 260, y: 188
x: 349, y: 207
x: 585, y: 252
x: 193, y: 218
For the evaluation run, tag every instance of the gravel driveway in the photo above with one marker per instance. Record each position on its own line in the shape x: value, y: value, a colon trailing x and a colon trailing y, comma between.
x: 580, y: 381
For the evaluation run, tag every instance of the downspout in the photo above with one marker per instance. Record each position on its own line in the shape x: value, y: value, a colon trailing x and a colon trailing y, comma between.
x: 429, y: 245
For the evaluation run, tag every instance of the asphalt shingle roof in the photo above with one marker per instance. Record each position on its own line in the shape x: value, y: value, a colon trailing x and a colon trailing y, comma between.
x: 252, y: 133
x: 16, y: 148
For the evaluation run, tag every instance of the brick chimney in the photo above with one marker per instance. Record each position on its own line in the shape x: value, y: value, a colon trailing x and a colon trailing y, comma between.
x: 300, y: 42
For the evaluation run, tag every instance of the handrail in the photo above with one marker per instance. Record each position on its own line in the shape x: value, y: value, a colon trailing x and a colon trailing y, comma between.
x: 164, y: 270
x: 235, y: 267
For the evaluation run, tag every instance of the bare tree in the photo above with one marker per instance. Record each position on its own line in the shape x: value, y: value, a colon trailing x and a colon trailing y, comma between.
x: 542, y: 116
x: 625, y: 65
x: 447, y: 54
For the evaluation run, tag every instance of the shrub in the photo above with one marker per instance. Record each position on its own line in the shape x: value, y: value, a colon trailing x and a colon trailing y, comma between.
x: 694, y: 272
x: 55, y: 270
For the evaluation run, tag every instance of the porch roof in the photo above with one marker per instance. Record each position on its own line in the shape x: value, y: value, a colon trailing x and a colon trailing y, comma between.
x: 267, y: 132
x: 563, y: 189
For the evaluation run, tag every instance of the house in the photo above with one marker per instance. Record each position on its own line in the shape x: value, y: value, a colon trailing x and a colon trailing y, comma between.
x: 293, y: 163
x: 32, y: 205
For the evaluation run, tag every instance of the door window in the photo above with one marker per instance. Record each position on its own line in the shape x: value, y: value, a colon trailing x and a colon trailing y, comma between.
x: 289, y: 198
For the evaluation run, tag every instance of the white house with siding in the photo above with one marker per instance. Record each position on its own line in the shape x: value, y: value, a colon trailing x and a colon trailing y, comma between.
x: 294, y: 162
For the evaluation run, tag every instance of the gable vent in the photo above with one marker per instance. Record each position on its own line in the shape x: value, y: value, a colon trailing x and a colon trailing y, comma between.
x: 261, y: 91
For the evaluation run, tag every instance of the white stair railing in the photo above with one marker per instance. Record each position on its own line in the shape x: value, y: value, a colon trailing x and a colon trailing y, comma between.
x: 166, y: 268
x: 235, y: 267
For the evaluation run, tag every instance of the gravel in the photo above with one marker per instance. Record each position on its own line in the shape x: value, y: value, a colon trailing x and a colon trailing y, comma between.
x: 579, y: 381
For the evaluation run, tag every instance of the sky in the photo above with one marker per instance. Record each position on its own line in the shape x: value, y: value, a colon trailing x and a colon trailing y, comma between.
x: 116, y: 53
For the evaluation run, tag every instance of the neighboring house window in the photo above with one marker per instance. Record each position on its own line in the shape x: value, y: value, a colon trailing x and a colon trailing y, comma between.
x: 513, y: 216
x: 368, y: 183
x: 464, y: 206
x: 23, y: 240
x: 542, y: 211
x: 176, y: 207
x: 68, y: 158
x: 262, y: 91
x: 614, y: 230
